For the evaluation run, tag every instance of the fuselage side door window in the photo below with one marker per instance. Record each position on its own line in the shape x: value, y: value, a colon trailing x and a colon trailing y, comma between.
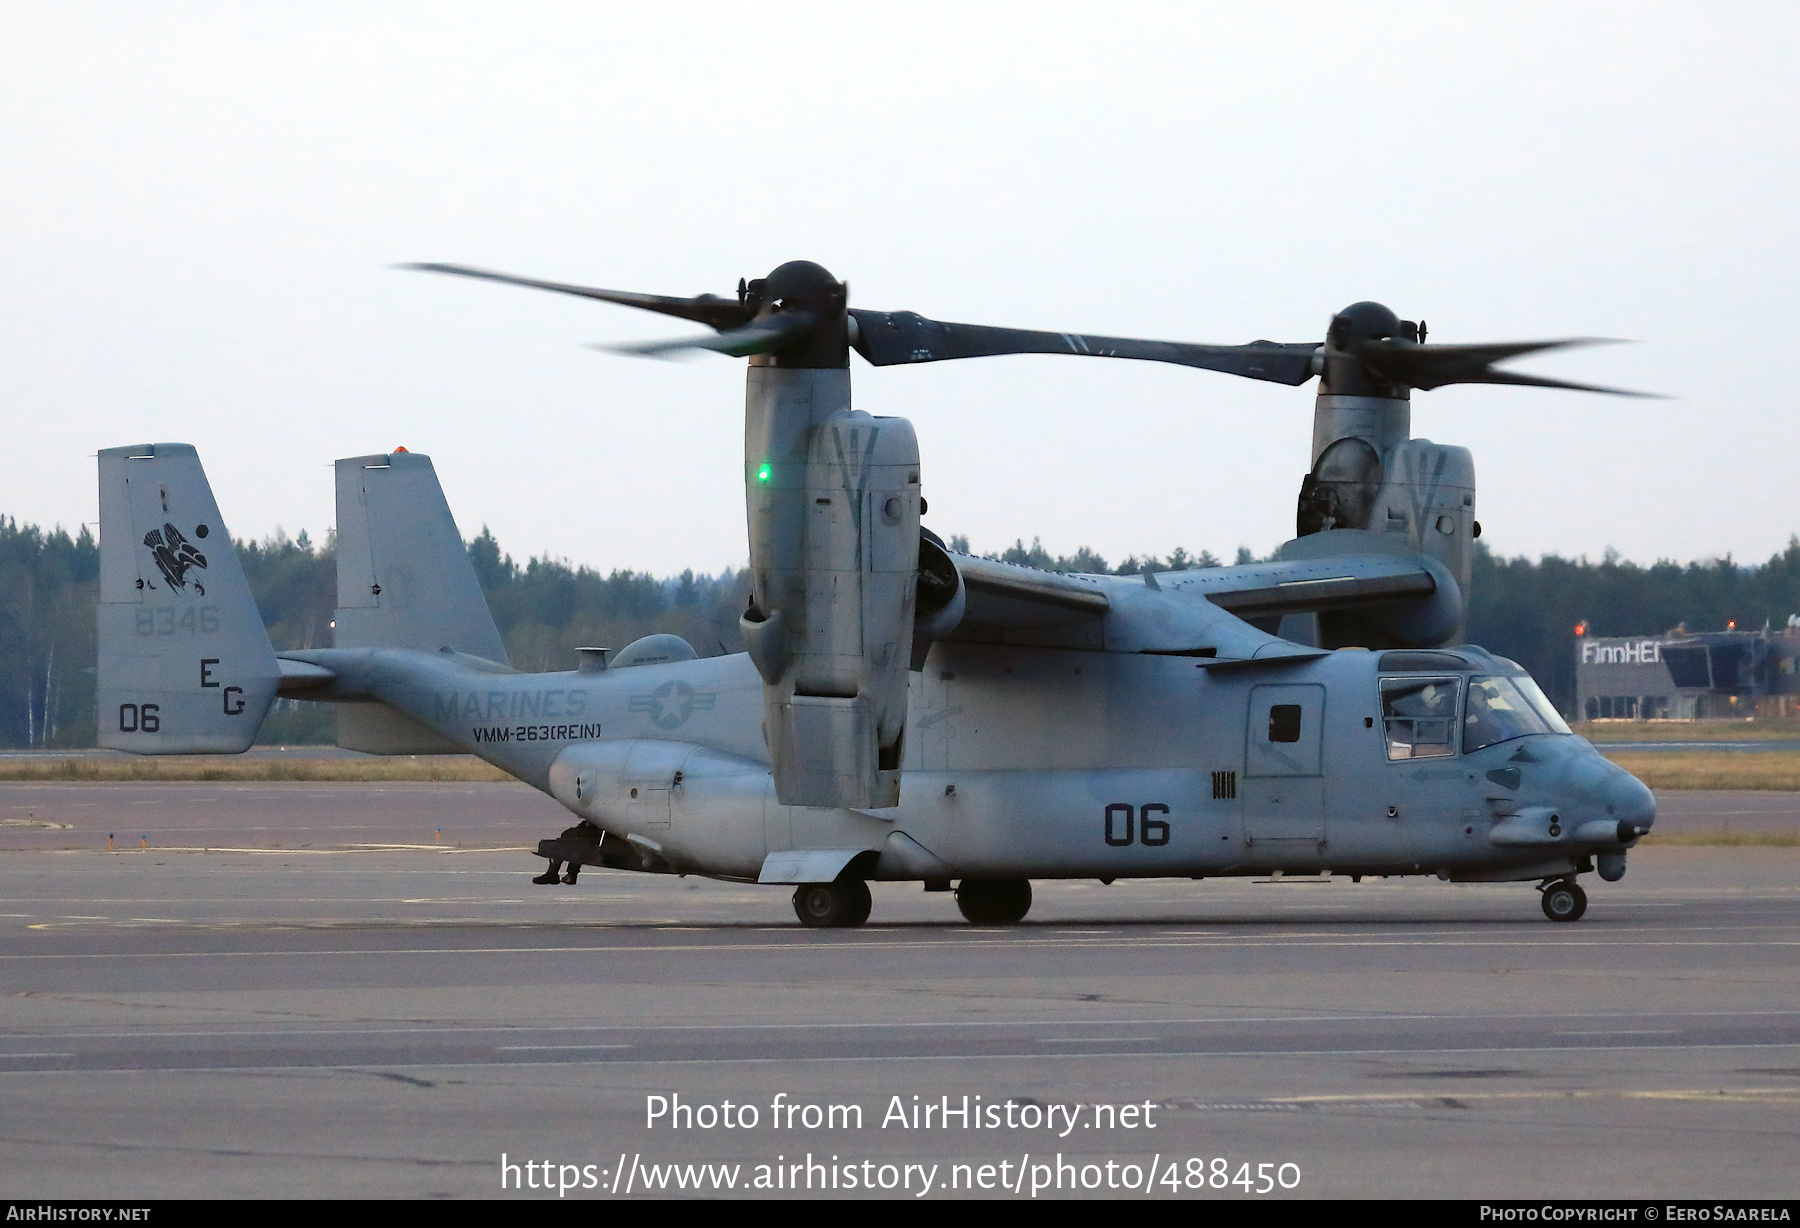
x: 1419, y: 716
x: 1286, y: 730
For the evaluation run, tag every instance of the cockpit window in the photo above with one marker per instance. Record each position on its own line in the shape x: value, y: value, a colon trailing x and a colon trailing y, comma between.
x: 1501, y: 709
x: 1540, y: 703
x: 1418, y: 716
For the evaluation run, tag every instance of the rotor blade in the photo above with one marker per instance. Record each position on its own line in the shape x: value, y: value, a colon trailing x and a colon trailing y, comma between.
x: 1539, y: 381
x: 770, y: 334
x: 1433, y: 366
x: 898, y: 337
x: 707, y: 309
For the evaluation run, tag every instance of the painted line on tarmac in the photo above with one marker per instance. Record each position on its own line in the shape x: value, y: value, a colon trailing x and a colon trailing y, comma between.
x: 867, y: 1059
x: 1084, y: 1022
x: 1757, y: 1094
x: 1191, y: 1053
x: 275, y: 901
x: 1096, y: 1040
x: 813, y: 947
x: 301, y: 850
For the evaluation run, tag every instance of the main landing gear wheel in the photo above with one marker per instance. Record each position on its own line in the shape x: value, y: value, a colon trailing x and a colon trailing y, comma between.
x: 840, y: 905
x: 1564, y: 901
x: 994, y: 901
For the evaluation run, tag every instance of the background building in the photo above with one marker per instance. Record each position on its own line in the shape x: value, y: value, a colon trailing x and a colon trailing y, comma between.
x: 1679, y: 676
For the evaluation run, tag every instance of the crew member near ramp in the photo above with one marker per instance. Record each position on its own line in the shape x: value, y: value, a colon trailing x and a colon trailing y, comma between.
x: 584, y: 837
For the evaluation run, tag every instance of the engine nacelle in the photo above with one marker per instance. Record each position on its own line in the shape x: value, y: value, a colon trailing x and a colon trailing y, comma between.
x: 1367, y: 474
x: 942, y: 597
x: 833, y: 505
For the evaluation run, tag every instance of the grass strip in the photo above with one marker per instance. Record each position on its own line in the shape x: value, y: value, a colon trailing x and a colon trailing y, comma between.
x: 1725, y: 839
x: 1687, y: 731
x: 1771, y: 770
x: 451, y: 768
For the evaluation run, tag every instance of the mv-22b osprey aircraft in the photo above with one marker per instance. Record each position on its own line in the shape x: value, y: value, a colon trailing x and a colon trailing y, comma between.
x: 904, y: 712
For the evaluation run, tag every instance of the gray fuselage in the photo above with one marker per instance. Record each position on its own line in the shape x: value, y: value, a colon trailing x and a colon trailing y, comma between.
x: 1040, y: 763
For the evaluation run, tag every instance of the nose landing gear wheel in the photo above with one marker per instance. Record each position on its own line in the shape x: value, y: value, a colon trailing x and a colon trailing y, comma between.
x: 994, y: 901
x: 840, y: 905
x: 1564, y: 901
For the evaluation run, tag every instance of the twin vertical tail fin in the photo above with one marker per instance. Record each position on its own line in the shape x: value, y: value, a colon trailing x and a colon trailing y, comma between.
x: 404, y: 576
x: 185, y: 663
x: 186, y: 666
x: 404, y: 581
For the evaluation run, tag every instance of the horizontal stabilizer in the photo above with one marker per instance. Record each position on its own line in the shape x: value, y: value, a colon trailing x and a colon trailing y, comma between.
x: 298, y: 678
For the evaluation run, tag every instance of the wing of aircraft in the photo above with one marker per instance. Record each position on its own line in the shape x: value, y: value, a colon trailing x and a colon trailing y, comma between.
x: 1338, y: 571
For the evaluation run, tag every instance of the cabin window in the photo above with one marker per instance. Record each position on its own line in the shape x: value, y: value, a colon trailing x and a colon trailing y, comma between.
x: 1284, y: 723
x: 1418, y: 716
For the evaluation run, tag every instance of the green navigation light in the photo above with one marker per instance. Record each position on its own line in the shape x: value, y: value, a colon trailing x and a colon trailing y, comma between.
x: 762, y: 472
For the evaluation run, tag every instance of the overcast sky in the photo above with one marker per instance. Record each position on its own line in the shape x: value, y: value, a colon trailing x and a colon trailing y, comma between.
x: 200, y: 205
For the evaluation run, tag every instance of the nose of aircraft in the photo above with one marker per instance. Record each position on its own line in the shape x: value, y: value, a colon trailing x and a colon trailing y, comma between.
x: 1630, y: 801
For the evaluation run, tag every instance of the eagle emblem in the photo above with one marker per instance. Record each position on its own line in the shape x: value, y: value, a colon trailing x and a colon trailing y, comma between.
x: 175, y: 555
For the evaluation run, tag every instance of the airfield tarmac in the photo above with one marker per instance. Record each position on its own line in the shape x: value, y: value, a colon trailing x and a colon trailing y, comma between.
x: 365, y: 1011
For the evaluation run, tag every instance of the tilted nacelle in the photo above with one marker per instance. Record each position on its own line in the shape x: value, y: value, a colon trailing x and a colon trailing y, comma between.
x: 833, y: 503
x: 1368, y: 475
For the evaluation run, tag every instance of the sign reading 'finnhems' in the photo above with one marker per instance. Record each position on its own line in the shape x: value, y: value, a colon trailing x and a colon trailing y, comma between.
x: 1625, y: 678
x: 1621, y: 652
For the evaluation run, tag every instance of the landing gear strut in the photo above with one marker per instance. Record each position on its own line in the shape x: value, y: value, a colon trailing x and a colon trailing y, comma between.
x: 841, y: 905
x: 1564, y: 900
x: 994, y: 901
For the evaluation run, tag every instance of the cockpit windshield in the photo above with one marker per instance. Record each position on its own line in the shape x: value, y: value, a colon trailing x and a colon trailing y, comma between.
x: 1501, y: 709
x: 1540, y: 703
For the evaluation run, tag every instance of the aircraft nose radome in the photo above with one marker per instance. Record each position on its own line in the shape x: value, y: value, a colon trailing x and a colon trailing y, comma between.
x: 1630, y: 800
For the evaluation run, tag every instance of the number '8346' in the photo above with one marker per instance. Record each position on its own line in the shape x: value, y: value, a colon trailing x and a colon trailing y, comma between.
x: 1127, y: 824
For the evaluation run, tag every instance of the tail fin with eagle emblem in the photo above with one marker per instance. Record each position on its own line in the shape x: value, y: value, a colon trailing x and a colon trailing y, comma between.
x: 185, y: 664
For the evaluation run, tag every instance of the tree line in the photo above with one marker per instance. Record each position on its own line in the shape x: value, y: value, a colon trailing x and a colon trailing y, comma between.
x: 546, y: 608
